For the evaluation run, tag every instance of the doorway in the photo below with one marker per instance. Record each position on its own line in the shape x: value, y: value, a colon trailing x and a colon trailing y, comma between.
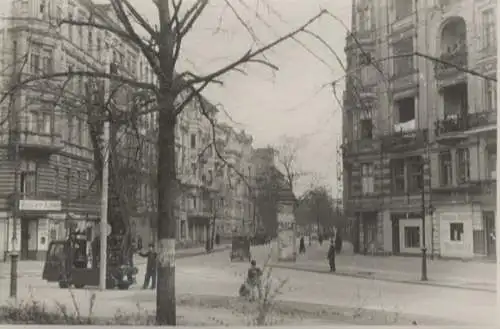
x: 25, y: 238
x: 489, y: 231
x: 369, y: 231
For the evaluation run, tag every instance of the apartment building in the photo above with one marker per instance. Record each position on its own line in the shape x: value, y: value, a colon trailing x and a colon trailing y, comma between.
x: 412, y: 123
x: 236, y: 181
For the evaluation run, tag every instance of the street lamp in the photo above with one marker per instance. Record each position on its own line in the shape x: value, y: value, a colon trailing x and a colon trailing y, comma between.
x: 424, y: 249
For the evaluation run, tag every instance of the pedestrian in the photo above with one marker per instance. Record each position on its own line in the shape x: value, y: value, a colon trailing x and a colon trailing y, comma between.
x: 302, y: 246
x: 320, y: 239
x: 331, y: 256
x: 150, y: 275
x: 217, y: 238
x: 253, y: 280
x: 338, y: 242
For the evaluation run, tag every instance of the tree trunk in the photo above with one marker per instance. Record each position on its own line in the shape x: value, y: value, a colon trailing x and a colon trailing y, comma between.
x: 165, y: 294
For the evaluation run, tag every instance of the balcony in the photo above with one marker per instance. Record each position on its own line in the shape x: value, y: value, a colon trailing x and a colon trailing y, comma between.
x: 482, y: 191
x: 405, y: 140
x: 460, y: 127
x: 361, y: 146
x: 39, y: 142
x: 451, y: 128
x: 482, y: 121
x: 444, y: 70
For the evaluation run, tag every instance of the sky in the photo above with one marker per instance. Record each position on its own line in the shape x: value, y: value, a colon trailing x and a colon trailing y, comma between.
x: 297, y: 101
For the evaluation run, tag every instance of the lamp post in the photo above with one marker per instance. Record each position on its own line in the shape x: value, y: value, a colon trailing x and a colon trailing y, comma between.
x: 424, y: 249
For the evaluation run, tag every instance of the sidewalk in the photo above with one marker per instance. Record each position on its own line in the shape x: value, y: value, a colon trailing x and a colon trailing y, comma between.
x: 441, y: 273
x: 35, y: 268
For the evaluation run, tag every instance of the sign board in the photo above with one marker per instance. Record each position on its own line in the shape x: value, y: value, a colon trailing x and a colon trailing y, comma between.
x: 286, y: 237
x: 40, y: 205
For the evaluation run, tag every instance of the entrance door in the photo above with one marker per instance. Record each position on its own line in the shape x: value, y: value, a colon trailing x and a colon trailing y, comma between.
x: 489, y: 228
x: 25, y: 238
x: 369, y: 231
x: 395, y: 236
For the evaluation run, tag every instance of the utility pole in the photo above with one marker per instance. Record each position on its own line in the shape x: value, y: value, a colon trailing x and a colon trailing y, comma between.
x: 104, y: 186
x: 423, y: 162
x: 14, y: 255
x: 497, y: 217
x: 14, y: 144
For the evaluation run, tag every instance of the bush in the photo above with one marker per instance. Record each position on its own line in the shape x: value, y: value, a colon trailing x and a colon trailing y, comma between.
x: 35, y: 312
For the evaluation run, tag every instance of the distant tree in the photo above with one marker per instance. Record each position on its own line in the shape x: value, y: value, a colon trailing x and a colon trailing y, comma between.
x: 316, y: 206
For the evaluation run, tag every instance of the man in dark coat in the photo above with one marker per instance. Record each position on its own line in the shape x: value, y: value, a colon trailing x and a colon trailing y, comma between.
x: 302, y: 246
x: 151, y: 256
x: 331, y: 256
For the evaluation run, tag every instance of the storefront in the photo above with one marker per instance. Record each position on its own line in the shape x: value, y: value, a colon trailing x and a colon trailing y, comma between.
x: 456, y: 226
x: 39, y: 222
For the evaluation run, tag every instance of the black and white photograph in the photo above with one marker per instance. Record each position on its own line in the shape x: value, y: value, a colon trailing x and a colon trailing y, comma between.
x: 249, y: 163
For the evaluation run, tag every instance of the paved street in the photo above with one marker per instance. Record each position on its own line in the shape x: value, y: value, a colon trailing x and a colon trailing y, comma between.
x: 452, y: 273
x: 214, y: 275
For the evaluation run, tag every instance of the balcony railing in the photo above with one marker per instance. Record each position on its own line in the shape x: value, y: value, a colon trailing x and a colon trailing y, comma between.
x: 458, y: 58
x: 40, y: 141
x: 465, y: 122
x: 407, y: 140
x: 451, y: 125
x: 360, y: 146
x: 481, y: 119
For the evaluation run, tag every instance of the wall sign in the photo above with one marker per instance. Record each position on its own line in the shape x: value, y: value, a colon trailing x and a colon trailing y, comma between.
x: 40, y: 205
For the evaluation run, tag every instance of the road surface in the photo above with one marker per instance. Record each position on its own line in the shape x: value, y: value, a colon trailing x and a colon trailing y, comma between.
x: 214, y: 275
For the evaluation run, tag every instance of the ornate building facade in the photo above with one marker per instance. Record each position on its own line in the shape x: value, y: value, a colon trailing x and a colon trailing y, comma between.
x: 420, y: 135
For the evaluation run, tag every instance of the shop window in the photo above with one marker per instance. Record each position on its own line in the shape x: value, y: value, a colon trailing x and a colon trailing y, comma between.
x: 456, y: 231
x: 412, y: 237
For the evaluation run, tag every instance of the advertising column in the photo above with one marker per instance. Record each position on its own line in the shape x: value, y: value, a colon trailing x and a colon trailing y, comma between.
x: 287, y: 241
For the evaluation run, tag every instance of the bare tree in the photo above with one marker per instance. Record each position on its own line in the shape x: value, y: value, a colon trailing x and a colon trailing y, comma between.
x: 162, y: 49
x: 287, y: 153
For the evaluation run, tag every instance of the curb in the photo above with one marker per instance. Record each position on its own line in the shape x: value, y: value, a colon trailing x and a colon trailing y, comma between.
x: 361, y: 276
x: 30, y: 274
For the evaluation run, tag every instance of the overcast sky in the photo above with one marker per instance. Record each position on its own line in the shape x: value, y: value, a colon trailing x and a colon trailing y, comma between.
x: 296, y: 101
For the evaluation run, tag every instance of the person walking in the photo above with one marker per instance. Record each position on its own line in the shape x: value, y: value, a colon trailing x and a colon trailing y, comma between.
x: 150, y: 275
x: 331, y: 256
x: 302, y: 246
x: 253, y: 280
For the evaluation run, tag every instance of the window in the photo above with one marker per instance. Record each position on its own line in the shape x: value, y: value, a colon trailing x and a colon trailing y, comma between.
x: 492, y: 164
x: 367, y: 178
x: 194, y: 168
x: 35, y: 61
x: 28, y: 178
x: 70, y: 26
x: 456, y: 231
x: 46, y: 124
x: 80, y: 32
x: 365, y: 16
x: 403, y: 65
x: 463, y: 166
x: 183, y: 229
x: 193, y: 140
x: 98, y: 45
x: 406, y: 109
x: 56, y: 178
x: 366, y: 127
x: 488, y: 27
x: 90, y: 39
x: 403, y: 8
x: 415, y: 174
x: 490, y: 95
x: 398, y: 175
x: 412, y: 237
x: 79, y: 183
x: 445, y: 169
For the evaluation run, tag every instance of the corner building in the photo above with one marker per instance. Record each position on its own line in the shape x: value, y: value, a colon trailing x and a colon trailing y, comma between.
x: 406, y: 112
